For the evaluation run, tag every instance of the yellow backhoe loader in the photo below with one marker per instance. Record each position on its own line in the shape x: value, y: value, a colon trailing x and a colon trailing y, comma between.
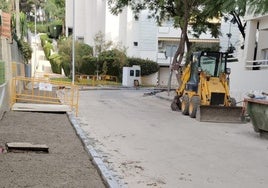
x: 204, y: 89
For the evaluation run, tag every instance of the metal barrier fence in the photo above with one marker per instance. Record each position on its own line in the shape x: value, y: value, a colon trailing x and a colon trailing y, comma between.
x: 44, y: 91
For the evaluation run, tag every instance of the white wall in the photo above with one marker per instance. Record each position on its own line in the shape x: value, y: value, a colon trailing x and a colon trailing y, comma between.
x: 245, y: 80
x: 89, y: 18
x: 164, y: 76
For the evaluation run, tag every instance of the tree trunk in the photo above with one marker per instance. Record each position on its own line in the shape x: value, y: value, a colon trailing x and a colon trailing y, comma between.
x: 178, y: 57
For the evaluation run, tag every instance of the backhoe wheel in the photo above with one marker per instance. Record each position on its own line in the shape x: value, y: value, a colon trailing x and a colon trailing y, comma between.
x: 193, y: 105
x: 176, y: 104
x: 185, y: 105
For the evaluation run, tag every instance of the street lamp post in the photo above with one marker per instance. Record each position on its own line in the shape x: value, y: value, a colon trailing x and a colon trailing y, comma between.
x: 73, y: 45
x: 35, y: 42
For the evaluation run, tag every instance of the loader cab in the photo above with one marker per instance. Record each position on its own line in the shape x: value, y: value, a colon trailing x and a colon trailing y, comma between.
x: 192, y: 84
x: 212, y: 63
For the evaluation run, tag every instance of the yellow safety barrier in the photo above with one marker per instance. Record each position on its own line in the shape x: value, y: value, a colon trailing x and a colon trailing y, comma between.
x: 44, y: 91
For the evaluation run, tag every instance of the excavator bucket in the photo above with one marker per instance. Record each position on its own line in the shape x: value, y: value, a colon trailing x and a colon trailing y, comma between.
x: 219, y: 114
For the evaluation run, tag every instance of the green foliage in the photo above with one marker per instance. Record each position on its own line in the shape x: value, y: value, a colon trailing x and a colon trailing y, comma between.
x: 55, y: 9
x: 4, y: 6
x: 197, y: 13
x: 44, y: 39
x: 111, y: 62
x: 100, y: 44
x: 55, y: 61
x: 23, y: 25
x: 89, y: 66
x: 202, y: 47
x: 147, y: 66
x: 26, y: 5
x: 55, y: 29
x: 25, y: 49
x: 40, y: 27
x: 65, y: 51
x: 66, y: 66
x: 83, y: 52
x: 47, y: 49
x: 114, y: 60
x: 104, y: 68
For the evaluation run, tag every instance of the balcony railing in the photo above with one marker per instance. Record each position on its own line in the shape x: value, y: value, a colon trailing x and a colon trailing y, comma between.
x: 257, y: 64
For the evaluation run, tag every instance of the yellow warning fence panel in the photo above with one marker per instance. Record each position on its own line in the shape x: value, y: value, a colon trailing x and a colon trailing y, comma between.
x: 44, y: 91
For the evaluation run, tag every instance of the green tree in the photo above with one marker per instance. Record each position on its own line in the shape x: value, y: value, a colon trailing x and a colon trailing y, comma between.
x: 196, y: 13
x: 4, y: 5
x: 55, y: 10
x: 181, y: 12
x: 82, y: 52
x: 114, y: 59
x: 100, y: 44
x: 239, y: 8
x: 27, y: 6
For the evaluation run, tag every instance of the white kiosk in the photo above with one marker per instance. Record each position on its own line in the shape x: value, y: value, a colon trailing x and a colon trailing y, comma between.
x: 131, y: 76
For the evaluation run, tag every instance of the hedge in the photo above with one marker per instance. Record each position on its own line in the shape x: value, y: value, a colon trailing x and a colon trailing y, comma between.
x: 55, y: 61
x: 147, y: 66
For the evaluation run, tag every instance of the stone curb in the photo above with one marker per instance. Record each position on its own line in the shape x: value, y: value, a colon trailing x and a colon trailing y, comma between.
x: 107, y: 176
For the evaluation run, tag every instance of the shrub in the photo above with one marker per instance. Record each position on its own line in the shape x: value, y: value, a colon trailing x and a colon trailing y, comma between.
x: 147, y: 66
x: 40, y: 28
x: 115, y: 60
x: 44, y: 39
x: 55, y: 61
x: 54, y: 30
x: 25, y: 49
x: 88, y: 66
x: 47, y: 49
x: 66, y: 66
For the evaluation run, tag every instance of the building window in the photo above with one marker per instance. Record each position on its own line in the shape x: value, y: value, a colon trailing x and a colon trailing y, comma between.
x: 70, y: 31
x: 131, y: 73
x: 135, y: 43
x: 80, y: 39
x: 137, y: 73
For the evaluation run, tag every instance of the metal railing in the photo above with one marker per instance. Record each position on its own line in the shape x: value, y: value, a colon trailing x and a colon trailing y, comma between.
x: 257, y: 64
x: 44, y: 91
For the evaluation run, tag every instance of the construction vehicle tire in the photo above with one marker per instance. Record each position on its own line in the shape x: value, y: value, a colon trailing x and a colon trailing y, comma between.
x: 193, y: 105
x: 176, y: 104
x: 185, y: 105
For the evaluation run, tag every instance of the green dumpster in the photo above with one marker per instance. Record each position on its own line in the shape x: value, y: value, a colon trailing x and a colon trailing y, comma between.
x: 258, y: 112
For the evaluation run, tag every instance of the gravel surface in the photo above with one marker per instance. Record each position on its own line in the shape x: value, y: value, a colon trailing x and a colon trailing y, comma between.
x: 66, y: 165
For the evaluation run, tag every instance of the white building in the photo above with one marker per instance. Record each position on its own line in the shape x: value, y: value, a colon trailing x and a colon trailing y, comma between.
x: 144, y: 39
x: 250, y: 74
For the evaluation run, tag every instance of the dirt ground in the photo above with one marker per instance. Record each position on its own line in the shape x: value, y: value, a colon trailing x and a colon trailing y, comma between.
x: 66, y: 165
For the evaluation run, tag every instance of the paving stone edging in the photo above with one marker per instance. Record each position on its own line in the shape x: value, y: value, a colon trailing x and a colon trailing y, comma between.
x: 107, y: 176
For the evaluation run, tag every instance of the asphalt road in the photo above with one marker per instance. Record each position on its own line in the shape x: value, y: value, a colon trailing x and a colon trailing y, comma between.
x: 145, y: 144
